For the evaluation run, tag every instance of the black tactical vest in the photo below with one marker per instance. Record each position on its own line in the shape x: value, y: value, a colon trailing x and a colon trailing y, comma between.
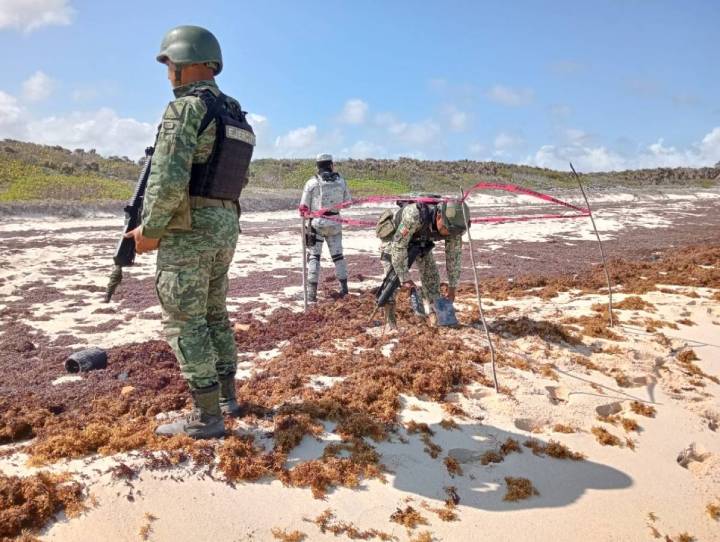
x: 225, y: 173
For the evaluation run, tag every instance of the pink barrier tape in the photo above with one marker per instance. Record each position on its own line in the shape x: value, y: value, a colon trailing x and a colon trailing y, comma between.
x: 521, y: 190
x: 581, y: 211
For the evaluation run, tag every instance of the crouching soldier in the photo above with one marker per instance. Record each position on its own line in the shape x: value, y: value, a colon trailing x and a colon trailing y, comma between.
x: 326, y: 189
x: 415, y: 227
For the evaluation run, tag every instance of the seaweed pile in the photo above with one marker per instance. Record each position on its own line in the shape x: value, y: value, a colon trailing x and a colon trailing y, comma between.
x: 28, y: 503
x: 115, y: 410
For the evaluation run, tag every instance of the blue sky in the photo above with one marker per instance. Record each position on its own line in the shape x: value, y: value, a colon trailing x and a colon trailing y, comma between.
x: 607, y: 84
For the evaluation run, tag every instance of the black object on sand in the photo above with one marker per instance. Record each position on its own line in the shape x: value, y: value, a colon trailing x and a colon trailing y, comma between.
x: 86, y: 360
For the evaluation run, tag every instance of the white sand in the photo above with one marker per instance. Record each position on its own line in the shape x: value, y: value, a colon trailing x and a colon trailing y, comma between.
x: 606, y: 497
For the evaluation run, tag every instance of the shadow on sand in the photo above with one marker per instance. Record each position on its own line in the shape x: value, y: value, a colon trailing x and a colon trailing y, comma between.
x: 560, y: 482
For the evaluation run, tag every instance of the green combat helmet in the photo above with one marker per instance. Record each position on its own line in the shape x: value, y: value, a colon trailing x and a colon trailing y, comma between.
x: 186, y: 45
x: 453, y: 215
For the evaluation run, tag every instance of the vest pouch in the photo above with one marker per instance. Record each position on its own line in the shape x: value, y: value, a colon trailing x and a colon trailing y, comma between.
x: 385, y: 227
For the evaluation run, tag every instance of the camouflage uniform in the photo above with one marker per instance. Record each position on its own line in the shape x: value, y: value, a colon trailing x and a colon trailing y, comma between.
x: 411, y: 230
x: 197, y: 243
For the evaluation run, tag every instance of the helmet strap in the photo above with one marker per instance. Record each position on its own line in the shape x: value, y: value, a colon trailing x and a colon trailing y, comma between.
x: 178, y: 76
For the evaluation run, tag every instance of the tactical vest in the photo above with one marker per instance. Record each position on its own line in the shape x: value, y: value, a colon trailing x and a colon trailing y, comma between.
x: 331, y: 191
x: 427, y: 219
x: 389, y: 221
x: 224, y: 174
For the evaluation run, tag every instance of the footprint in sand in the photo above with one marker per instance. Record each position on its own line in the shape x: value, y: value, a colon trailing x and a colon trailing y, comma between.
x: 609, y: 409
x: 691, y: 454
x: 531, y: 425
x: 646, y: 380
x: 558, y: 394
x: 712, y: 418
x: 463, y: 455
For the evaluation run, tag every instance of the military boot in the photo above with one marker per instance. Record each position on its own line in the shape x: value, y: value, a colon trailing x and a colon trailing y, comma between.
x: 390, y: 318
x: 343, y: 288
x: 228, y: 400
x: 312, y: 292
x: 204, y: 422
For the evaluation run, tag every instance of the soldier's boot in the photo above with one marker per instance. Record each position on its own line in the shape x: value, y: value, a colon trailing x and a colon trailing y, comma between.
x: 312, y: 292
x: 343, y: 288
x: 228, y: 399
x: 390, y: 317
x: 204, y: 422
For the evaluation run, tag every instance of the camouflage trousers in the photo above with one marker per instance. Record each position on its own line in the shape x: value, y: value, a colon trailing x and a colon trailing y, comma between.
x: 191, y: 282
x: 429, y: 275
x: 334, y: 243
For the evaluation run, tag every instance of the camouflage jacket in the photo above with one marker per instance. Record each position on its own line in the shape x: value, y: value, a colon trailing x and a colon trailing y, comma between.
x: 167, y: 204
x: 410, y: 225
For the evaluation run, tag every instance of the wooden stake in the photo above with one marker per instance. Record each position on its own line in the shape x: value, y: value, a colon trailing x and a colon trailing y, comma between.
x: 602, y: 250
x: 304, y: 265
x: 477, y: 293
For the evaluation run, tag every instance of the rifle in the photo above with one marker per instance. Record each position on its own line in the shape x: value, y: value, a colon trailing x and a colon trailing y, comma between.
x: 125, y: 251
x: 391, y: 282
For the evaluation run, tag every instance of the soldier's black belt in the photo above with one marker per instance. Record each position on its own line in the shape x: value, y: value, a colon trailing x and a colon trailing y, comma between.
x: 331, y: 213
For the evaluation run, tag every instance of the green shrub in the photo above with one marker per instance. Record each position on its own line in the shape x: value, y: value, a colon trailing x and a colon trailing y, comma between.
x: 25, y: 182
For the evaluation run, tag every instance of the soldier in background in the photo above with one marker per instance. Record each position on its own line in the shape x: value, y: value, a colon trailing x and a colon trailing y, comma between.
x: 326, y: 189
x: 423, y: 224
x: 191, y: 212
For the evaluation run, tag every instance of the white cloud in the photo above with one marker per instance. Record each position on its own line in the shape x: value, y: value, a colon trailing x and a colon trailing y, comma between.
x: 354, y: 112
x: 583, y: 158
x: 39, y: 86
x: 456, y: 119
x: 102, y: 130
x: 258, y: 122
x: 575, y: 136
x: 419, y: 133
x: 364, y: 149
x: 261, y: 127
x: 476, y: 148
x: 710, y: 144
x: 85, y: 94
x: 600, y: 158
x: 511, y: 97
x: 29, y: 15
x: 10, y: 111
x: 297, y: 143
x: 505, y: 142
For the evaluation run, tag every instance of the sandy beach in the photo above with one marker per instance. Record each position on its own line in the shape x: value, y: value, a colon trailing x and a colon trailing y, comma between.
x: 597, y: 433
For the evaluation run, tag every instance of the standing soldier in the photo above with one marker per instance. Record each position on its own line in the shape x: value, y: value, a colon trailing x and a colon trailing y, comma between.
x: 420, y: 224
x: 326, y: 189
x: 191, y: 212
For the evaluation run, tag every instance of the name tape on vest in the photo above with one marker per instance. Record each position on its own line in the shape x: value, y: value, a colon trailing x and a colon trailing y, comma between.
x: 233, y: 132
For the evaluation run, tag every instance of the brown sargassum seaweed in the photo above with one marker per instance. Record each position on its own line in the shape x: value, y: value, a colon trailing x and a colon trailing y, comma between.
x: 92, y: 416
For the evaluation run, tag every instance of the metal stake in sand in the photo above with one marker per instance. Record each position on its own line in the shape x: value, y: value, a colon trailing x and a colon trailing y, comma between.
x: 304, y: 264
x: 477, y: 292
x: 602, y: 250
